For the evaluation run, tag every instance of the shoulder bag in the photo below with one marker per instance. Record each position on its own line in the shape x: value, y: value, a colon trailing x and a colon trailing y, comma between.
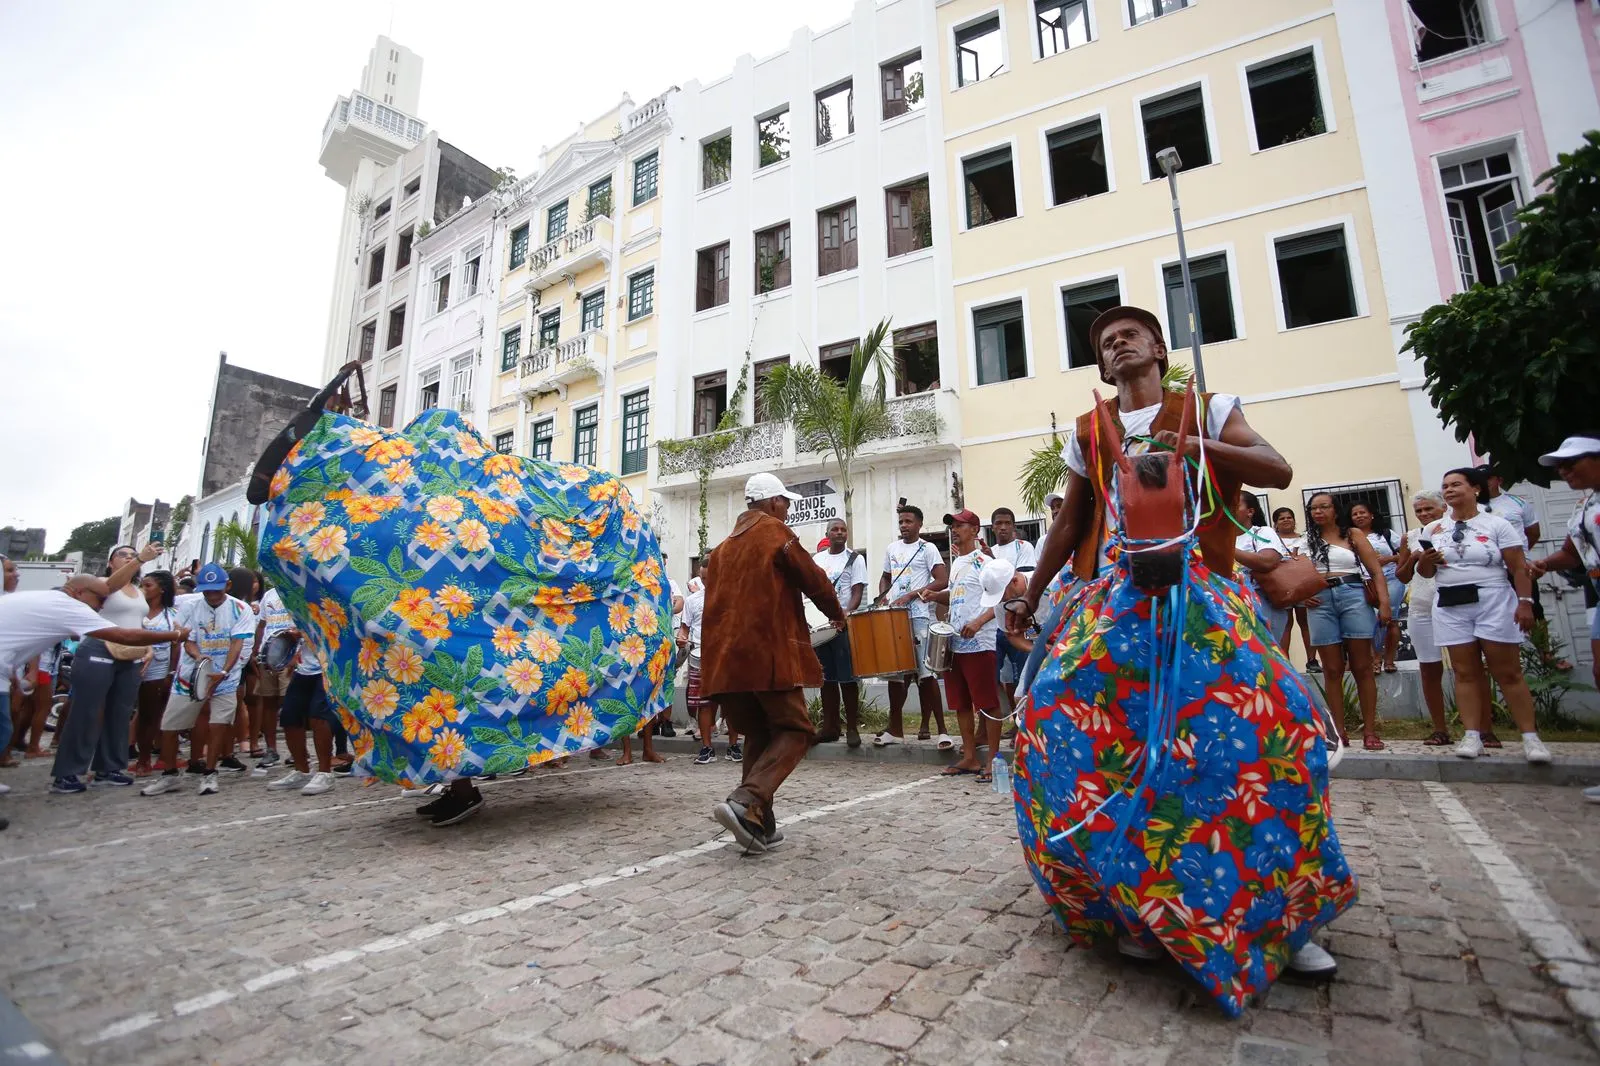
x: 1293, y: 581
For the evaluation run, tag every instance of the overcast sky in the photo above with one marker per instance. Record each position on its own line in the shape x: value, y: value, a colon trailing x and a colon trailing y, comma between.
x: 163, y: 200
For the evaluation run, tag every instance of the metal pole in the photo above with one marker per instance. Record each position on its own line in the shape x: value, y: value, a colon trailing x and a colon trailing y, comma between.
x: 1188, y: 284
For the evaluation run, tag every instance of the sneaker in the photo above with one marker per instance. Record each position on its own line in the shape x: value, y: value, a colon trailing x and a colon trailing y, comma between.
x: 208, y: 785
x: 731, y: 816
x: 230, y: 765
x: 268, y: 761
x: 117, y: 779
x: 1534, y: 751
x: 1132, y: 949
x: 292, y: 779
x: 451, y: 808
x: 318, y: 784
x: 343, y: 769
x: 4, y: 788
x: 735, y: 753
x: 67, y: 786
x: 773, y: 839
x: 1592, y: 794
x: 171, y: 781
x: 1313, y: 961
x: 196, y: 767
x: 1470, y: 747
x: 668, y: 731
x: 1313, y: 667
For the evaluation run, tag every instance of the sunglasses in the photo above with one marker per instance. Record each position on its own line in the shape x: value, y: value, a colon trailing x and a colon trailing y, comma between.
x: 1460, y: 533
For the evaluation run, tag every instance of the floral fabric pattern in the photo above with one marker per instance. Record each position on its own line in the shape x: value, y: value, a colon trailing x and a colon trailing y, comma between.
x: 474, y: 613
x: 1221, y: 849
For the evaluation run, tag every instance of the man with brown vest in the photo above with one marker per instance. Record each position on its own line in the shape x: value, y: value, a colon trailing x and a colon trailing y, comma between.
x: 756, y: 656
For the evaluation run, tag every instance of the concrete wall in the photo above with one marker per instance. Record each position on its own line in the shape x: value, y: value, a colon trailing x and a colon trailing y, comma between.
x: 459, y: 175
x: 248, y: 409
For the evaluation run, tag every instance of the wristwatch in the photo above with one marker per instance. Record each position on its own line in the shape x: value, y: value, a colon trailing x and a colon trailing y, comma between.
x: 1524, y: 599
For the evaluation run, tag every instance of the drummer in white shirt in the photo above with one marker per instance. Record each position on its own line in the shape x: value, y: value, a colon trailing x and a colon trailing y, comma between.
x: 848, y: 572
x: 1022, y: 556
x: 911, y: 567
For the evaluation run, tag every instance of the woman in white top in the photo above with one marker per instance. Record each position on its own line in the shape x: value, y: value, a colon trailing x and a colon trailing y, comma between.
x: 155, y: 683
x: 1283, y: 523
x: 1259, y: 550
x: 1482, y: 606
x: 1387, y: 637
x: 1341, y: 620
x: 1428, y: 506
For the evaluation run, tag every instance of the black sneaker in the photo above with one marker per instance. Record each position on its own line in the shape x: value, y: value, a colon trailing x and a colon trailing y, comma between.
x: 451, y: 808
x: 707, y: 755
x: 344, y: 769
x: 750, y: 835
x: 196, y: 767
x: 231, y: 765
x: 735, y: 753
x: 668, y: 731
x: 428, y: 810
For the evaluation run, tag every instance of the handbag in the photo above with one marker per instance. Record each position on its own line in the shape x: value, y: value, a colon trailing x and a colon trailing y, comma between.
x: 1293, y: 581
x: 125, y: 653
x: 1456, y: 595
x: 1370, y: 585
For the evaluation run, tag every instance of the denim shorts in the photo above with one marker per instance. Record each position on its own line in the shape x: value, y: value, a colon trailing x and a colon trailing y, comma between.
x: 835, y: 659
x: 1343, y: 614
x: 1007, y: 652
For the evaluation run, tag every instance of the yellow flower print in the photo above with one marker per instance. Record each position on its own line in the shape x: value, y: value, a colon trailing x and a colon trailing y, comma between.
x: 412, y: 602
x: 363, y: 509
x: 399, y: 473
x: 370, y: 655
x: 365, y: 436
x: 328, y: 543
x: 288, y: 551
x: 605, y: 490
x: 539, y: 758
x: 334, y: 613
x: 419, y: 722
x: 447, y: 751
x: 389, y: 449
x: 580, y: 720
x: 469, y: 445
x: 306, y: 517
x: 403, y: 663
x: 497, y: 512
x: 620, y: 616
x: 501, y: 464
x: 523, y: 677
x: 441, y: 703
x: 433, y: 627
x: 573, y: 472
x: 473, y: 534
x: 632, y: 650
x: 581, y: 551
x: 658, y: 662
x: 280, y: 482
x: 580, y: 593
x: 340, y: 495
x: 555, y: 530
x: 380, y: 698
x: 433, y: 536
x: 456, y: 601
x: 574, y: 685
x: 648, y: 574
x: 644, y: 616
x: 542, y: 646
x: 508, y: 485
x: 631, y: 521
x: 553, y: 602
x: 446, y: 509
x: 506, y: 640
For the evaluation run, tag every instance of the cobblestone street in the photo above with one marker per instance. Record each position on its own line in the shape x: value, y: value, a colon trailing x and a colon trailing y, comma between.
x: 596, y: 916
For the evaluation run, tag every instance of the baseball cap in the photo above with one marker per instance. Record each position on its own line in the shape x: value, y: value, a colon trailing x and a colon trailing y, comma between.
x: 993, y: 579
x: 965, y: 517
x: 1105, y: 318
x: 1571, y: 448
x: 1054, y: 497
x: 822, y: 545
x: 766, y: 487
x: 211, y: 578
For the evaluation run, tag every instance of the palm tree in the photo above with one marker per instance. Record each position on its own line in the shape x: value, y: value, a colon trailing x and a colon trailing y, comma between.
x: 234, y: 534
x: 837, y: 416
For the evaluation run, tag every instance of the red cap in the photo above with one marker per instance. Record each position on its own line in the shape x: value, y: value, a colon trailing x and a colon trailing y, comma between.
x: 963, y: 517
x: 822, y: 544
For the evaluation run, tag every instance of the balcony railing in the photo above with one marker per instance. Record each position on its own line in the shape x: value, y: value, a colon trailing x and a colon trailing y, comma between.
x: 571, y: 358
x: 568, y: 244
x: 649, y: 110
x: 363, y: 109
x: 750, y: 444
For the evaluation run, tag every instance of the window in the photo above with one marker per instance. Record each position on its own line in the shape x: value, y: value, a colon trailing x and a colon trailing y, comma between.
x: 772, y: 139
x: 503, y: 442
x: 543, y: 439
x: 716, y: 161
x: 1314, y: 278
x: 916, y: 359
x: 642, y: 294
x: 375, y: 270
x: 1082, y: 304
x: 1481, y: 199
x: 382, y: 210
x: 711, y: 277
x: 550, y: 328
x: 585, y: 434
x: 902, y: 86
x: 593, y: 311
x: 772, y: 259
x: 635, y: 432
x: 369, y: 340
x: 441, y: 288
x: 646, y: 172
x: 402, y: 258
x: 1060, y: 24
x: 980, y: 52
x: 834, y: 360
x: 519, y: 246
x: 1176, y: 121
x: 1285, y: 101
x: 555, y: 223
x: 1382, y: 498
x: 1077, y: 162
x: 1145, y: 10
x: 762, y: 372
x: 469, y: 274
x: 510, y: 348
x: 991, y: 189
x: 461, y: 383
x: 413, y: 187
x: 836, y: 239
x: 386, y: 400
x: 397, y: 327
x: 428, y: 399
x: 910, y: 219
x: 836, y: 113
x: 1213, y: 300
x: 710, y: 401
x: 599, y: 204
x: 1445, y: 27
x: 1002, y: 351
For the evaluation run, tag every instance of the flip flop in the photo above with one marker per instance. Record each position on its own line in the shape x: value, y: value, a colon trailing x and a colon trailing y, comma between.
x: 985, y: 778
x: 958, y: 771
x: 1372, y: 742
x: 1438, y: 739
x: 883, y: 740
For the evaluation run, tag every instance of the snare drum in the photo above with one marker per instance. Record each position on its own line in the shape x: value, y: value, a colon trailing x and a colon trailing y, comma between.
x: 822, y: 630
x: 881, y: 643
x: 939, y: 655
x: 279, y: 651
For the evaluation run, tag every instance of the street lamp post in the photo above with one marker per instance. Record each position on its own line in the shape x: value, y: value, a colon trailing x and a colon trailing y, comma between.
x: 1169, y: 161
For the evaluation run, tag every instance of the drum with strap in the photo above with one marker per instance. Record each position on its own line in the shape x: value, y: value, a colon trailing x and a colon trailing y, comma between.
x: 279, y: 651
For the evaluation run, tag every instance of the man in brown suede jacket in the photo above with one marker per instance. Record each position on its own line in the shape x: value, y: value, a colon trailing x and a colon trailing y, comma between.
x: 756, y: 656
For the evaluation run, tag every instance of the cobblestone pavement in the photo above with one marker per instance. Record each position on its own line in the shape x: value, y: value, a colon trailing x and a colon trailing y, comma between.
x: 592, y: 916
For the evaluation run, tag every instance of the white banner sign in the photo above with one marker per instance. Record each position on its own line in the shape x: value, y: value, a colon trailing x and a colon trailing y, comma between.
x: 820, y: 503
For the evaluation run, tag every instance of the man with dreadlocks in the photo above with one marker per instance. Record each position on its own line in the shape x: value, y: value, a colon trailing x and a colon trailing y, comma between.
x: 1171, y: 774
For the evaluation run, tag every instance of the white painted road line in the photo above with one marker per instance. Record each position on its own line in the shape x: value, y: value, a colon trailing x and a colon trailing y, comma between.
x: 321, y: 963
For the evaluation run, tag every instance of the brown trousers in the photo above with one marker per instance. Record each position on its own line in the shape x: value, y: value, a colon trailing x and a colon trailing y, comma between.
x: 777, y: 734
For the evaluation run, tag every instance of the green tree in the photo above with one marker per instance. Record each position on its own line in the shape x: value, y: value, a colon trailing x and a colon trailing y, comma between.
x: 93, y: 538
x: 237, y: 543
x: 178, y: 521
x: 1513, y: 364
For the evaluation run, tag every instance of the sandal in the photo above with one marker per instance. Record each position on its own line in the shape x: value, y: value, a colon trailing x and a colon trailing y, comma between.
x: 1490, y: 740
x: 1390, y: 668
x: 1371, y: 742
x: 1438, y: 739
x: 924, y: 735
x: 957, y: 771
x: 985, y: 778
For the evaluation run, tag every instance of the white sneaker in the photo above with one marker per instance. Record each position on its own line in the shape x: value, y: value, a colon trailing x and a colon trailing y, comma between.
x: 1592, y: 794
x: 1534, y: 751
x: 292, y: 779
x: 1469, y: 748
x: 164, y: 783
x: 208, y: 785
x: 945, y: 743
x: 1313, y: 961
x: 318, y: 784
x: 1131, y: 948
x: 4, y: 789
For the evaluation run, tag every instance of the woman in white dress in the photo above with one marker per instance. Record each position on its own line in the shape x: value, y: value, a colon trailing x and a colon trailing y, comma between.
x: 1428, y: 506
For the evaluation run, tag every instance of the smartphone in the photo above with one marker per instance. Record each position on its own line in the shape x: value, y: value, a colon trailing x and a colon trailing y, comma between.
x: 1427, y: 545
x: 157, y: 539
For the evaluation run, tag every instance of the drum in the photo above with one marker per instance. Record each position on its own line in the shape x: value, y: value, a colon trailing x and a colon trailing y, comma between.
x: 822, y: 630
x: 881, y: 644
x: 279, y: 651
x: 940, y: 654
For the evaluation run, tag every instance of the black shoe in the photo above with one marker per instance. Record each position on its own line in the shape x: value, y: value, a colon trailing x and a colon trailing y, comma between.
x: 668, y: 731
x: 732, y: 817
x: 196, y: 767
x: 853, y: 740
x: 432, y: 807
x: 452, y: 808
x: 344, y: 769
x: 4, y: 823
x: 231, y: 765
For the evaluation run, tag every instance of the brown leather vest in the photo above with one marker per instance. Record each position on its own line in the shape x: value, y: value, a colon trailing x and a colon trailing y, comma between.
x: 1217, y: 533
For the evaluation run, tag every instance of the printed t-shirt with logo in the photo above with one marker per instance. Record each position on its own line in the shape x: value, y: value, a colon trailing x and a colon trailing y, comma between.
x: 910, y: 567
x: 212, y: 629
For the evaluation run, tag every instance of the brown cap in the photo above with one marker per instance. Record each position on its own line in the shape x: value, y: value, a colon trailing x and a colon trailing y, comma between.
x: 1105, y: 318
x: 963, y: 518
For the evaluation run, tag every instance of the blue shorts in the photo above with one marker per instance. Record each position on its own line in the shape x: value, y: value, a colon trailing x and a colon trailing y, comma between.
x: 1343, y: 614
x: 835, y: 658
x: 1006, y: 652
x: 305, y: 702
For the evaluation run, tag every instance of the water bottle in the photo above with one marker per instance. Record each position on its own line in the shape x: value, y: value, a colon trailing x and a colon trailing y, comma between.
x: 1000, y: 776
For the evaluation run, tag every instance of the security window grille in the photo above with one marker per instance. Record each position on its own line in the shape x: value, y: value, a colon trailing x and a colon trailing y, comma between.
x: 1002, y: 349
x: 646, y: 172
x: 836, y: 239
x: 1082, y: 304
x: 635, y: 432
x: 519, y: 246
x: 594, y: 311
x: 375, y: 267
x: 836, y: 113
x: 1176, y: 121
x: 1077, y: 162
x: 902, y: 84
x: 641, y: 294
x: 1285, y: 102
x: 397, y: 327
x: 1382, y: 498
x: 711, y: 277
x: 1213, y: 298
x: 585, y: 435
x: 503, y: 442
x: 1314, y: 278
x: 979, y: 51
x: 916, y: 359
x: 1145, y: 10
x: 510, y: 348
x: 710, y: 400
x: 990, y: 187
x: 543, y: 439
x: 909, y: 216
x: 716, y: 161
x: 1060, y: 25
x: 772, y: 259
x: 555, y: 223
x: 550, y: 328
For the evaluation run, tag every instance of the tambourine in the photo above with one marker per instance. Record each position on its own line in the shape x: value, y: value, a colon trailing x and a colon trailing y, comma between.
x: 280, y: 650
x: 201, y: 671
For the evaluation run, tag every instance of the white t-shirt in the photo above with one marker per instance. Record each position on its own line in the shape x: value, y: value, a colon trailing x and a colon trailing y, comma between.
x: 1384, y: 544
x: 844, y: 577
x: 677, y: 594
x: 910, y: 567
x: 1584, y: 529
x: 966, y: 592
x: 212, y: 629
x: 1019, y: 553
x: 1475, y: 559
x: 1419, y: 595
x: 275, y: 615
x: 1259, y: 539
x: 694, y: 614
x: 1138, y: 423
x: 1516, y: 510
x: 159, y: 665
x: 33, y: 622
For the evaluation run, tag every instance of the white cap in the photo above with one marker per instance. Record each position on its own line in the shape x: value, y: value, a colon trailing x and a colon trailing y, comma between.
x: 1052, y: 498
x: 766, y: 487
x: 993, y: 578
x: 1572, y: 448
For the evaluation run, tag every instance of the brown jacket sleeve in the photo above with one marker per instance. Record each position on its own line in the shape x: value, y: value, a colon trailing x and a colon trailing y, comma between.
x: 810, y: 579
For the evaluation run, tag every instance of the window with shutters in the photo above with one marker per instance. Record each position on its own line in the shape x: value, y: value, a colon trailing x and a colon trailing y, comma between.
x: 1314, y: 278
x: 1001, y: 346
x: 1145, y: 10
x: 428, y: 398
x: 470, y: 272
x: 834, y: 360
x: 716, y: 161
x: 772, y: 259
x: 542, y: 439
x: 1077, y: 155
x: 711, y: 278
x: 1213, y: 300
x: 1482, y: 195
x: 510, y: 348
x: 1177, y: 120
x: 594, y: 311
x: 1081, y: 305
x: 461, y: 383
x: 642, y: 294
x: 397, y: 327
x: 836, y: 239
x: 1060, y: 25
x: 585, y: 435
x: 909, y: 216
x: 369, y: 340
x: 441, y: 288
x: 710, y: 400
x: 635, y: 432
x: 555, y: 222
x: 519, y: 246
x: 375, y: 267
x: 503, y: 442
x: 386, y: 400
x: 916, y: 359
x: 901, y: 81
x: 836, y: 113
x: 550, y: 328
x: 760, y: 373
x: 991, y: 189
x: 980, y: 51
x: 1285, y: 100
x: 646, y: 174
